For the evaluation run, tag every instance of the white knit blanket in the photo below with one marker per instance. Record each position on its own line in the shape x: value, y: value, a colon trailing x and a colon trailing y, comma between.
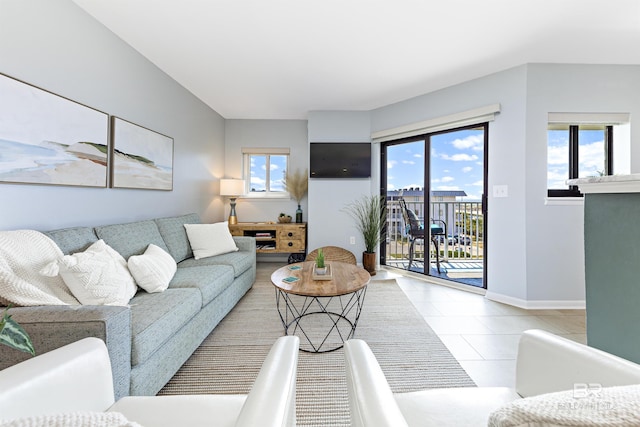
x: 601, y: 407
x: 75, y: 419
x: 23, y: 253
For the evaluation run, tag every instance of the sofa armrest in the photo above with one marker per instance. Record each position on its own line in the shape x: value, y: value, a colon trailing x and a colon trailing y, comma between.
x: 72, y: 378
x: 51, y: 327
x: 245, y: 243
x: 548, y: 363
x: 371, y: 400
x: 272, y: 399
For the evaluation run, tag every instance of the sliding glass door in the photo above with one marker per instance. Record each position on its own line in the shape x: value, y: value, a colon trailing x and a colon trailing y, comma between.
x: 440, y: 179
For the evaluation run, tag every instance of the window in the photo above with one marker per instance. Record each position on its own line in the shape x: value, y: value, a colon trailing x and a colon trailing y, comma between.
x: 577, y: 151
x: 265, y: 170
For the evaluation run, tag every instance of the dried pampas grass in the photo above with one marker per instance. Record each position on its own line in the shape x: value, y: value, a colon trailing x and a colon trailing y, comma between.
x: 296, y: 184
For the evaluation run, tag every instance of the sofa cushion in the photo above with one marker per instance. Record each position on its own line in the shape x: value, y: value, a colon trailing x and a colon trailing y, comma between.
x: 72, y: 240
x: 175, y: 236
x: 157, y: 317
x: 210, y: 280
x: 131, y: 238
x: 208, y: 240
x: 241, y: 261
x: 97, y: 276
x: 153, y: 270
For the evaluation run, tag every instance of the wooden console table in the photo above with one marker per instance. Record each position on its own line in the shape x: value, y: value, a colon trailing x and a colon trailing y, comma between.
x: 277, y: 238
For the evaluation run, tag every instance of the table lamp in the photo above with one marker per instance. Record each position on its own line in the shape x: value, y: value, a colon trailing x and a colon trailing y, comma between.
x: 232, y: 188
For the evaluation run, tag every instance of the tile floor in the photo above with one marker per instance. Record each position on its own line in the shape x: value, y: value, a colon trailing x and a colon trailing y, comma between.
x: 482, y: 334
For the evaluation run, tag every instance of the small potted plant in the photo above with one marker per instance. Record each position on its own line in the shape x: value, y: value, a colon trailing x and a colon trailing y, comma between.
x: 321, y: 268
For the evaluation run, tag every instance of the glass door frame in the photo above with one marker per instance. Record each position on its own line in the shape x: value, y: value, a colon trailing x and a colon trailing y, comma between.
x: 427, y: 187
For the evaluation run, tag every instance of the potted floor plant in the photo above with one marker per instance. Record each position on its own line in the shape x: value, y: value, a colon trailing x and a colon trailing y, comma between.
x: 370, y: 214
x: 13, y: 335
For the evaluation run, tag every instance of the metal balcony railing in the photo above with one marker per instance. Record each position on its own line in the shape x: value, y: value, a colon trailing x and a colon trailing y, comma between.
x: 464, y: 240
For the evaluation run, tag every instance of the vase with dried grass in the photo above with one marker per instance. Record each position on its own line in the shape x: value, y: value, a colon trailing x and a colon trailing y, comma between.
x: 296, y: 184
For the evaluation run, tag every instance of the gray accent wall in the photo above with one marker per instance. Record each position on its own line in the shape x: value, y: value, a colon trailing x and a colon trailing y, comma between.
x: 55, y: 45
x: 612, y: 251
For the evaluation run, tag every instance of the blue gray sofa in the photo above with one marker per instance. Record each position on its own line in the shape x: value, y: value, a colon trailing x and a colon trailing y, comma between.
x: 149, y: 340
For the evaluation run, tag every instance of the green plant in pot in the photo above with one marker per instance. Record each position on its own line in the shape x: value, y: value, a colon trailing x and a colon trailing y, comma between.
x: 13, y: 335
x: 321, y: 267
x: 370, y: 214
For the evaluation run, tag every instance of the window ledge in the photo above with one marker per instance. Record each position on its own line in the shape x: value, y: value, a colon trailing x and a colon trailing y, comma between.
x: 564, y: 201
x: 261, y: 196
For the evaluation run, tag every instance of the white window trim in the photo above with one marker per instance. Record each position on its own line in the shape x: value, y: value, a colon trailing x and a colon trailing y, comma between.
x: 271, y: 151
x: 451, y: 121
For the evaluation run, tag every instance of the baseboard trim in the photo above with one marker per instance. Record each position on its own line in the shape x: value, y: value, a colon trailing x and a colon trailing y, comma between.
x: 538, y: 304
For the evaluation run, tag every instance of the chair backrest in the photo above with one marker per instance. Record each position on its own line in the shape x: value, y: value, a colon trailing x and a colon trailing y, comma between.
x: 272, y: 399
x: 371, y: 400
x: 416, y: 227
x: 548, y: 363
x: 73, y: 378
x: 333, y: 253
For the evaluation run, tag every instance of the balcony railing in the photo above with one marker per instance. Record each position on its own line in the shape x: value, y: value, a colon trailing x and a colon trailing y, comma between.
x: 464, y: 239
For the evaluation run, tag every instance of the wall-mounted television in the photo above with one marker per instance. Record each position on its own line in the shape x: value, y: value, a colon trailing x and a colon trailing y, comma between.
x: 340, y: 160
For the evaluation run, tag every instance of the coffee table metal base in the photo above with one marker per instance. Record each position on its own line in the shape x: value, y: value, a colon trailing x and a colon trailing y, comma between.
x: 339, y: 313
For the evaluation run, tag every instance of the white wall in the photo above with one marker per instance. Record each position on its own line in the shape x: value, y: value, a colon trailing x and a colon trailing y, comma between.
x: 506, y: 268
x: 55, y: 45
x: 555, y: 237
x: 290, y: 134
x: 328, y: 224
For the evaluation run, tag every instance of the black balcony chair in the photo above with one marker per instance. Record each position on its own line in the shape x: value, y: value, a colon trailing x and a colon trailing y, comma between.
x: 416, y: 231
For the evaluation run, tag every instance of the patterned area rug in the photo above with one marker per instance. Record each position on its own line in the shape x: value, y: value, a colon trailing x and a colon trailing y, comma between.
x: 410, y: 353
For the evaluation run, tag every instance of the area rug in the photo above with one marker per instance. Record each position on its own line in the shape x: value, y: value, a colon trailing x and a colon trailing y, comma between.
x: 409, y: 352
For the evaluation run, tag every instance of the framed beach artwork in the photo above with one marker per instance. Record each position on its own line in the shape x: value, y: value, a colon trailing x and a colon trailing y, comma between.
x: 48, y: 139
x: 141, y: 157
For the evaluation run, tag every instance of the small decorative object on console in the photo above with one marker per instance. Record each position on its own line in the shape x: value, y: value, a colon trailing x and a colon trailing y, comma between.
x: 284, y: 218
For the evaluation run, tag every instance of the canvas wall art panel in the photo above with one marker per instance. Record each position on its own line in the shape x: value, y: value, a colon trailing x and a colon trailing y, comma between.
x: 142, y: 158
x: 48, y: 139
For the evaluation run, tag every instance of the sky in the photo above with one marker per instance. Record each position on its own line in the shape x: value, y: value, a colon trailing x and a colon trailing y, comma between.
x: 590, y: 158
x: 456, y: 163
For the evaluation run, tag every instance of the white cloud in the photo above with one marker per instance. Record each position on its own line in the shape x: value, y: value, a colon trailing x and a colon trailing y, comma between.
x: 467, y: 169
x: 391, y: 164
x: 462, y: 157
x: 448, y: 179
x: 474, y: 142
x: 408, y: 162
x: 448, y: 188
x: 390, y: 187
x: 478, y: 183
x: 417, y: 155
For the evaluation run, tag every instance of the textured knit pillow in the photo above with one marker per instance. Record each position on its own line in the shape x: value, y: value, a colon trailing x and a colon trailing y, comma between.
x: 208, y: 240
x: 75, y: 419
x: 97, y: 276
x: 152, y: 270
x: 590, y: 407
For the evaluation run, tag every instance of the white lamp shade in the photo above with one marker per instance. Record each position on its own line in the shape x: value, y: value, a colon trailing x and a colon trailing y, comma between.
x: 231, y: 187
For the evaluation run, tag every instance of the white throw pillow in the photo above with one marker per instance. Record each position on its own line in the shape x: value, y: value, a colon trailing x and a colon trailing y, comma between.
x: 74, y: 419
x: 97, y: 276
x: 208, y: 240
x: 152, y: 270
x: 583, y: 407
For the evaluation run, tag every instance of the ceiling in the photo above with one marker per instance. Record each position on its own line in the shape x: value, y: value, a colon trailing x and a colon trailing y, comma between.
x: 280, y: 59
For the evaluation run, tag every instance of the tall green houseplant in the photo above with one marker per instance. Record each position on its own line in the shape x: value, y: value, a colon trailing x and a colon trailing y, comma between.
x: 370, y: 215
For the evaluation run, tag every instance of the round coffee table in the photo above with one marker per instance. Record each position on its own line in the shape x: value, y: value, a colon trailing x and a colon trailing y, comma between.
x: 323, y: 313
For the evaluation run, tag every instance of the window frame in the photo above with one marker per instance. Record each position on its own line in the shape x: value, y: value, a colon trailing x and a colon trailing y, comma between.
x: 267, y: 153
x: 574, y: 156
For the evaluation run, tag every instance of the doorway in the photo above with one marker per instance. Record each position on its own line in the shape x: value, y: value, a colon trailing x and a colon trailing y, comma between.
x: 441, y: 177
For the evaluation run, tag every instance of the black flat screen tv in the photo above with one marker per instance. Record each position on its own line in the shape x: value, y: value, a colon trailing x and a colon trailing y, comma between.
x: 340, y: 160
